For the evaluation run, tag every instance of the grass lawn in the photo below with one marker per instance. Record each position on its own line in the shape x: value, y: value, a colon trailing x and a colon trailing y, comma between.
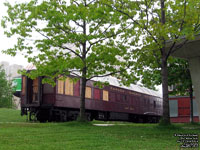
x: 22, y: 135
x: 11, y: 115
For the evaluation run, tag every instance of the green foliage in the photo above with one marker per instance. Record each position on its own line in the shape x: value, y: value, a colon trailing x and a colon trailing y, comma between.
x: 147, y: 68
x: 150, y: 72
x: 161, y: 34
x: 179, y: 76
x: 6, y: 91
x: 67, y: 37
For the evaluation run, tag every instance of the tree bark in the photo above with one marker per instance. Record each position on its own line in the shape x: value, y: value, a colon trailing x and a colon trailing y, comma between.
x: 164, y: 71
x: 83, y: 78
x: 191, y: 103
x: 82, y: 100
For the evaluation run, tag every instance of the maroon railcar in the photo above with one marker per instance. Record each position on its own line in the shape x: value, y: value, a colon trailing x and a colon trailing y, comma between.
x: 180, y: 109
x: 114, y: 102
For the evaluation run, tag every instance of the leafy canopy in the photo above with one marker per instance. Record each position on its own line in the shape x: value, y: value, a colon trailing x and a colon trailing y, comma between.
x: 157, y: 33
x: 62, y: 38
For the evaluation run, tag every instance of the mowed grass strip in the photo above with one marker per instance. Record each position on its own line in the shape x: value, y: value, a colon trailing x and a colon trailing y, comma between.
x: 11, y: 115
x: 86, y: 136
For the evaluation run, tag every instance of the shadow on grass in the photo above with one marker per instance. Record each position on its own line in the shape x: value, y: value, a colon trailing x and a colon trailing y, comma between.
x: 77, y: 124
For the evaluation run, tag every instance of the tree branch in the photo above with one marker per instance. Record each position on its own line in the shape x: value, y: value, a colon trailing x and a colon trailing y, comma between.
x: 146, y: 11
x: 136, y: 22
x: 184, y: 15
x: 90, y: 3
x: 65, y: 31
x: 41, y: 33
x: 77, y: 23
x: 105, y: 75
x: 101, y: 39
x: 157, y: 58
x: 64, y: 47
x: 76, y: 2
x: 171, y: 48
x: 179, y: 46
x: 197, y: 26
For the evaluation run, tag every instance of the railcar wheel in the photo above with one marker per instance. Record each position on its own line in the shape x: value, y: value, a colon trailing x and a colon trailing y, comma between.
x: 63, y: 116
x: 32, y: 116
x: 89, y: 117
x: 42, y: 115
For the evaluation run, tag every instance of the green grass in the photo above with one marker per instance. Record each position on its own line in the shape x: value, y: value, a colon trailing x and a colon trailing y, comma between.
x: 11, y: 115
x: 76, y: 136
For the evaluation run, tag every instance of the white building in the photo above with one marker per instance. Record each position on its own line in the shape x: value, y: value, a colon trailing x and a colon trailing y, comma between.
x: 11, y: 70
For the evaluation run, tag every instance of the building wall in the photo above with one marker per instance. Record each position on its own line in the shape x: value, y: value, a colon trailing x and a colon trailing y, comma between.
x: 11, y: 70
x: 180, y: 109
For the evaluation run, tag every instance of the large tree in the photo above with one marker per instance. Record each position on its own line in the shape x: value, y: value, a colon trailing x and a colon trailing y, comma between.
x: 181, y: 81
x: 162, y: 26
x: 6, y: 90
x: 62, y: 38
x: 178, y: 75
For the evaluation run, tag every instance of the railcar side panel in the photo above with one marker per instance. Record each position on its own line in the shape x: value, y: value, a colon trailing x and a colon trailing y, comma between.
x: 77, y: 88
x: 48, y: 96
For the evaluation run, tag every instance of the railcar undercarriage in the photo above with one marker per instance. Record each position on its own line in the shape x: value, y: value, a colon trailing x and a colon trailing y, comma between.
x: 57, y: 114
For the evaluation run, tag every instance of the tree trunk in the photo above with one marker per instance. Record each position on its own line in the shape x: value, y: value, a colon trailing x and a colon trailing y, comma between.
x: 83, y: 78
x: 191, y: 103
x: 82, y: 100
x: 164, y: 71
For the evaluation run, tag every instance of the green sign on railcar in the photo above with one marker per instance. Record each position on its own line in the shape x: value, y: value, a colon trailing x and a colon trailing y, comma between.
x: 17, y: 83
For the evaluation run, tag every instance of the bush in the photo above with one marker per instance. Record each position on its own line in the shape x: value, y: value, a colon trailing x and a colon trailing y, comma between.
x: 6, y: 91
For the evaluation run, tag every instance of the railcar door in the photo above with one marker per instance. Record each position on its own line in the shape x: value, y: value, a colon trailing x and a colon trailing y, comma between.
x: 33, y: 91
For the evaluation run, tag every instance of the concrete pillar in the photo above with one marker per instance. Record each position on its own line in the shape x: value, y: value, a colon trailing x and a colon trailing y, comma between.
x: 194, y: 64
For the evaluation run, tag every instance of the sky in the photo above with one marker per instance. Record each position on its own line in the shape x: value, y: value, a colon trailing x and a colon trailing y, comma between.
x: 6, y: 43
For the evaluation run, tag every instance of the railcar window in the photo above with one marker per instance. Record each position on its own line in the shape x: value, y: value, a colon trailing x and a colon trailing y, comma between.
x: 23, y: 85
x: 60, y: 87
x: 145, y: 102
x: 88, y: 93
x: 112, y: 96
x: 118, y: 97
x: 136, y: 100
x: 128, y: 99
x: 154, y: 104
x: 77, y: 88
x: 69, y: 87
x: 97, y: 94
x: 105, y: 95
x: 148, y: 102
x: 124, y: 98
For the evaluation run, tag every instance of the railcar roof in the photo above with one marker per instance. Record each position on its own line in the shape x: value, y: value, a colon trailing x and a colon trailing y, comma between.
x: 113, y: 81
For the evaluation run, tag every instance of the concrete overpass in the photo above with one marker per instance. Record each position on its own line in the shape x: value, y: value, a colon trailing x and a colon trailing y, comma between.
x: 191, y: 52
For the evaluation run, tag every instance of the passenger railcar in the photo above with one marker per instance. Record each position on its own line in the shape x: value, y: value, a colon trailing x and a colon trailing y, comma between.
x: 114, y: 102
